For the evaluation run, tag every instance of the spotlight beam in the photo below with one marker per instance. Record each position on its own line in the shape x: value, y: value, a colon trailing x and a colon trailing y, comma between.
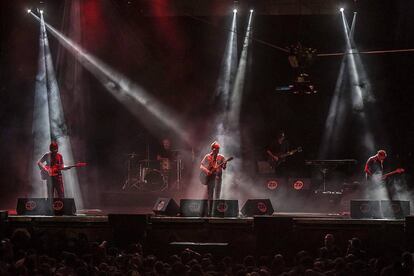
x: 131, y: 95
x: 236, y: 97
x: 58, y: 130
x: 352, y: 31
x: 334, y: 120
x: 359, y: 90
x: 222, y: 100
x: 228, y: 68
x: 41, y: 123
x: 230, y: 129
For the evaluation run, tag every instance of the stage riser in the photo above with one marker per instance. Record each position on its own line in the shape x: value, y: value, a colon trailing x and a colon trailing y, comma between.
x: 264, y: 235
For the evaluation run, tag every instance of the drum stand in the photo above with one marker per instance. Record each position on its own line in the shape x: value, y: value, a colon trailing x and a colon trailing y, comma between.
x: 129, y: 182
x: 167, y: 176
x: 179, y: 171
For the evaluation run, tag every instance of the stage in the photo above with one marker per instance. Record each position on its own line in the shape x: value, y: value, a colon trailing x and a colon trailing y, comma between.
x: 163, y: 235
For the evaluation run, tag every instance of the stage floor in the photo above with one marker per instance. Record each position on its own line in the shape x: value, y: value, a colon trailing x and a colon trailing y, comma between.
x: 98, y: 216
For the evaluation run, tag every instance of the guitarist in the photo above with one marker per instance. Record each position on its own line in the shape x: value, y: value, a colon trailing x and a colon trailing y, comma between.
x: 210, y: 165
x: 375, y: 165
x: 53, y: 159
x: 278, y: 147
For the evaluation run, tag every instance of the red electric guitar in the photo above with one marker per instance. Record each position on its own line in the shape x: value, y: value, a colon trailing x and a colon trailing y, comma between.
x: 49, y: 171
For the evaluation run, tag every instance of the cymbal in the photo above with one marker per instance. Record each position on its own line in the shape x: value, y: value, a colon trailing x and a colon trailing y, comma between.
x: 132, y: 154
x: 178, y: 149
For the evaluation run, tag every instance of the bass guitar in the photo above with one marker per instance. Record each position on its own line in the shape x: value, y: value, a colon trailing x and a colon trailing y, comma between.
x: 382, y: 177
x: 205, y: 178
x: 276, y: 159
x: 49, y: 171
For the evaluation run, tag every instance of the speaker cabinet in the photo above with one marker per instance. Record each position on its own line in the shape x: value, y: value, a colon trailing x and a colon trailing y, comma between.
x: 165, y: 207
x: 193, y: 207
x: 395, y: 209
x: 63, y: 207
x: 46, y: 207
x: 257, y: 207
x: 33, y: 206
x: 4, y: 215
x: 365, y: 209
x: 225, y: 208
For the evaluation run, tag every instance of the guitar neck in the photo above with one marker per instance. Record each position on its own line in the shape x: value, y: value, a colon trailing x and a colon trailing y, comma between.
x: 389, y: 174
x: 68, y: 167
x: 222, y: 164
x: 287, y: 154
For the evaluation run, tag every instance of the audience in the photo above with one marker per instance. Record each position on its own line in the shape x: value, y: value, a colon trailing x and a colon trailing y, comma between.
x: 25, y: 254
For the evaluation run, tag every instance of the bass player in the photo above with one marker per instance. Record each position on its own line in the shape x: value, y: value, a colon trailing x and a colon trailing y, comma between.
x: 279, y: 147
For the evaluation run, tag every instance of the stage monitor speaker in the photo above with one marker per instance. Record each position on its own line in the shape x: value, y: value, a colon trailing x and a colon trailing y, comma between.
x: 409, y: 232
x: 4, y: 215
x: 165, y: 207
x: 300, y: 183
x: 193, y: 207
x: 257, y: 207
x: 365, y: 209
x: 395, y: 209
x: 34, y: 206
x: 225, y: 208
x: 46, y: 207
x: 64, y: 207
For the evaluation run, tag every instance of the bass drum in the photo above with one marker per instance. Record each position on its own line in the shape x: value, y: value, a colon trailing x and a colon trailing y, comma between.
x: 154, y: 181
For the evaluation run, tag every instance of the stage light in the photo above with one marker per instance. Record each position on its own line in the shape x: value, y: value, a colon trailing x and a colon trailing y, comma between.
x: 235, y: 10
x: 341, y: 9
x: 29, y: 10
x: 41, y: 11
x: 251, y: 10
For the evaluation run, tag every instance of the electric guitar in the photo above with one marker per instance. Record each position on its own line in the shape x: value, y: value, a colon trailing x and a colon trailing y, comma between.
x: 205, y: 178
x: 382, y: 177
x: 276, y: 159
x: 49, y: 171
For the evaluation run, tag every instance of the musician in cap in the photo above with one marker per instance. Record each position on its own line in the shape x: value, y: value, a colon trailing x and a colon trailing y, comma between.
x: 212, y: 167
x: 51, y: 165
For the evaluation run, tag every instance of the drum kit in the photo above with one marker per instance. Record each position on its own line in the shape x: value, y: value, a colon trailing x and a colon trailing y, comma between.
x: 153, y: 175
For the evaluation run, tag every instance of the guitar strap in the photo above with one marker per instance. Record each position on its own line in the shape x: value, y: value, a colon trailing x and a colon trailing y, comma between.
x: 213, y: 162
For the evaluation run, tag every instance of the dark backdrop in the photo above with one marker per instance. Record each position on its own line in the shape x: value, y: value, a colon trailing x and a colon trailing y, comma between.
x: 177, y: 59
